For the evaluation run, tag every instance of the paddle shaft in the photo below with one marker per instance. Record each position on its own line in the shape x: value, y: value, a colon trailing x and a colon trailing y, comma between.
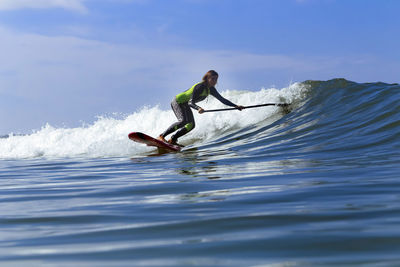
x: 253, y: 106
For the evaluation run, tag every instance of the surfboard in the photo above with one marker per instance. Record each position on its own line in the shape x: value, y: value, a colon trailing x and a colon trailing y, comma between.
x: 150, y: 141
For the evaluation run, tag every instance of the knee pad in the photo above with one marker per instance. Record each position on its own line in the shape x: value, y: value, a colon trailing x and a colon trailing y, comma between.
x: 189, y: 126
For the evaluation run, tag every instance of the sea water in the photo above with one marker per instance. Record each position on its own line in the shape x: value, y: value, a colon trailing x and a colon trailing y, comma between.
x: 317, y: 184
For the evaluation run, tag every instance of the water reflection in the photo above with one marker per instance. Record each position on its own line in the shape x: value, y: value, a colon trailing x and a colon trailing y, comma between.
x: 213, y: 195
x: 212, y: 166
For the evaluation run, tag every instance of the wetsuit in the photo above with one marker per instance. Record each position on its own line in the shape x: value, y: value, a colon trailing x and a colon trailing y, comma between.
x: 182, y: 103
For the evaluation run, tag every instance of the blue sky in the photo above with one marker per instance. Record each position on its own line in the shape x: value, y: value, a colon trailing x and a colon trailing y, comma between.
x: 65, y: 62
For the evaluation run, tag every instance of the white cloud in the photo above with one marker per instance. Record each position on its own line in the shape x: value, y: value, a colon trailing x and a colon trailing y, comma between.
x: 88, y: 77
x: 34, y: 52
x: 37, y: 66
x: 74, y: 5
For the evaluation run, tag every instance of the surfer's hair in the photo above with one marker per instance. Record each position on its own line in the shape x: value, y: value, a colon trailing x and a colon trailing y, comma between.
x: 209, y: 74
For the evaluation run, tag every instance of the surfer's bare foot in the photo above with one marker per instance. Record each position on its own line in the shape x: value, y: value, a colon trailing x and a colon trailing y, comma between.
x: 162, y: 138
x: 172, y: 142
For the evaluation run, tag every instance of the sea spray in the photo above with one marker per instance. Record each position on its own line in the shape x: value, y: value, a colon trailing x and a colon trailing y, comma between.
x: 107, y: 136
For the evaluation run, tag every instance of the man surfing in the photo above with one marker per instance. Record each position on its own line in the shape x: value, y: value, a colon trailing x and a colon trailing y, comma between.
x: 182, y: 103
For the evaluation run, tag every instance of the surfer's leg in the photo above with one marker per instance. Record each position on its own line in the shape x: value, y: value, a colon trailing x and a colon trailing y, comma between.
x: 179, y: 111
x: 188, y: 127
x: 189, y: 124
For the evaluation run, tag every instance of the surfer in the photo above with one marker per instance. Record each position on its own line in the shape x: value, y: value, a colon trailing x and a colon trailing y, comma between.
x: 182, y: 103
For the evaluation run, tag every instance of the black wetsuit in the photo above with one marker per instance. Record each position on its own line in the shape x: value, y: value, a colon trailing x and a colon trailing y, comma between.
x: 182, y: 103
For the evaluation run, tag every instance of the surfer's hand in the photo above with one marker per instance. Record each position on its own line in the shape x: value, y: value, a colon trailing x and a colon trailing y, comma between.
x: 239, y: 107
x: 201, y: 110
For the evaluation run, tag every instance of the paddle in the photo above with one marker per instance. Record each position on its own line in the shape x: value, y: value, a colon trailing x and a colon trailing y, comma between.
x: 253, y: 106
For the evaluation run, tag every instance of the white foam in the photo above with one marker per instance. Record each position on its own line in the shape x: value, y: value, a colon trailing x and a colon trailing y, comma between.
x: 107, y: 136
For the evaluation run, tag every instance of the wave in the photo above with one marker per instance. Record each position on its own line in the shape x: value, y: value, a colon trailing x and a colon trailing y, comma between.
x: 107, y: 136
x: 335, y: 118
x: 340, y: 121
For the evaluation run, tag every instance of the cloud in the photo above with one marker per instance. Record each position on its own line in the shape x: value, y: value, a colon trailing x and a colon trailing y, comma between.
x: 69, y: 79
x: 73, y: 5
x: 38, y: 66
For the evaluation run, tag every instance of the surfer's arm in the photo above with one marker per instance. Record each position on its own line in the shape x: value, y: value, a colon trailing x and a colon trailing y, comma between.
x: 223, y: 100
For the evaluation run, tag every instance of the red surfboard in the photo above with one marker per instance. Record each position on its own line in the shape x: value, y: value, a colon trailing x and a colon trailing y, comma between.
x: 150, y: 141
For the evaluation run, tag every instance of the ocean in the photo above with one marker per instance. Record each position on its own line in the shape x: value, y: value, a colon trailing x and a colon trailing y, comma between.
x: 315, y: 185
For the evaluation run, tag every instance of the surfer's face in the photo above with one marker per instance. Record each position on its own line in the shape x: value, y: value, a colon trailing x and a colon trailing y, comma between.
x: 212, y: 80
